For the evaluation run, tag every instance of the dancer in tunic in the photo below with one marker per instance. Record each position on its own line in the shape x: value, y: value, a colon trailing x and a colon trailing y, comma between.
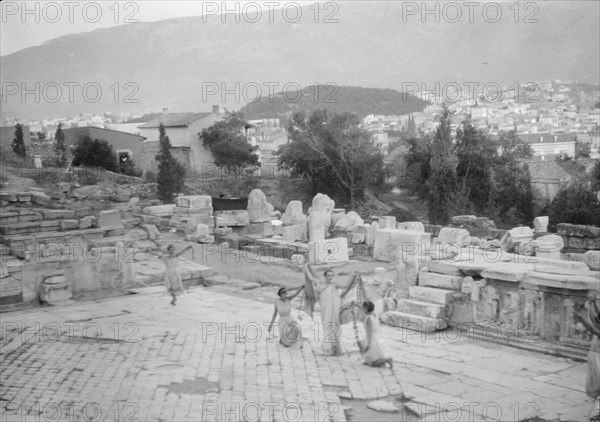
x: 330, y: 301
x: 172, y: 277
x: 591, y: 322
x: 290, y: 333
x: 370, y: 347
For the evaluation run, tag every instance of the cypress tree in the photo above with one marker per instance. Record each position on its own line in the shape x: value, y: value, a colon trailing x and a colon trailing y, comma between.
x: 171, y: 173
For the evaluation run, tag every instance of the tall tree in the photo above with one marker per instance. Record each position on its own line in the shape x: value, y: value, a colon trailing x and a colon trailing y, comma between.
x: 171, y: 173
x: 94, y: 153
x: 60, y: 148
x: 442, y: 179
x: 227, y: 141
x: 335, y: 152
x: 18, y: 143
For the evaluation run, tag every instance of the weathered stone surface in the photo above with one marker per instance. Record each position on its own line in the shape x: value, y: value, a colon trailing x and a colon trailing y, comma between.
x: 323, y: 203
x: 562, y: 281
x: 430, y: 294
x: 130, y: 223
x: 452, y: 235
x: 194, y: 201
x: 58, y: 214
x: 40, y: 198
x: 414, y: 226
x: 294, y: 233
x: 358, y: 238
x: 592, y: 259
x: 259, y: 209
x: 413, y: 322
x: 336, y: 215
x: 503, y: 274
x: 328, y: 251
x: 160, y: 210
x: 152, y: 231
x: 388, y: 242
x: 109, y: 218
x: 69, y: 224
x: 518, y: 240
x: 232, y: 218
x: 387, y: 222
x: 317, y: 225
x: 349, y: 221
x: 383, y: 406
x: 440, y: 280
x: 9, y: 196
x: 293, y: 214
x: 369, y: 233
x: 540, y: 224
x: 573, y: 230
x: 442, y: 267
x: 86, y: 222
x: 424, y: 309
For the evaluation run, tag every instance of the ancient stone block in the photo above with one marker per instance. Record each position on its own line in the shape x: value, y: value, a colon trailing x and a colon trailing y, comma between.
x: 109, y: 218
x: 349, y: 221
x: 24, y: 196
x: 40, y: 198
x: 592, y: 259
x: 259, y: 209
x: 324, y: 204
x: 194, y: 201
x: 232, y: 218
x: 540, y: 224
x: 572, y: 282
x: 86, y: 222
x: 440, y: 280
x: 294, y: 233
x: 160, y: 210
x: 358, y: 238
x: 430, y: 294
x: 130, y: 223
x: 452, y: 235
x: 69, y: 224
x: 413, y: 322
x: 388, y: 242
x: 414, y: 226
x: 293, y: 214
x: 518, y: 240
x: 317, y: 225
x: 424, y: 309
x: 387, y: 222
x: 58, y: 214
x: 368, y: 231
x: 336, y: 215
x: 328, y: 251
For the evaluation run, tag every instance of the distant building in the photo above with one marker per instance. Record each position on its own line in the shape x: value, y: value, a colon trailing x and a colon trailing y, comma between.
x: 183, y: 130
x: 547, y: 145
x: 125, y: 145
x: 7, y: 134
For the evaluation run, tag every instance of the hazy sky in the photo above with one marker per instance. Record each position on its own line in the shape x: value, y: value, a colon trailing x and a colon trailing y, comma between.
x: 40, y: 21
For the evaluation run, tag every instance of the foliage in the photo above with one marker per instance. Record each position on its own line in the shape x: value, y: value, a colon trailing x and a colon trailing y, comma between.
x: 149, y: 177
x: 563, y: 156
x: 41, y: 135
x: 171, y: 173
x: 334, y: 153
x: 401, y: 215
x: 574, y: 204
x: 60, y: 148
x: 128, y: 168
x: 595, y: 177
x: 18, y: 143
x: 416, y: 168
x: 94, y: 153
x: 337, y: 100
x: 226, y: 140
x: 442, y: 179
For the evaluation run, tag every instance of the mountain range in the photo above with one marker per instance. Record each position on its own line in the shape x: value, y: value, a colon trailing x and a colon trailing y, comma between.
x: 193, y: 63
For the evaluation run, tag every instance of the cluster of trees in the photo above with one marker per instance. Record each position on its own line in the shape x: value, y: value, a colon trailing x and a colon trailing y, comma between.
x: 226, y: 139
x: 334, y: 154
x: 470, y: 174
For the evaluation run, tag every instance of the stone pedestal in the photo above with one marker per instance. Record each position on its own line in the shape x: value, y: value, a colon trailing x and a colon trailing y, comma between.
x: 389, y: 242
x: 259, y: 210
x: 540, y: 224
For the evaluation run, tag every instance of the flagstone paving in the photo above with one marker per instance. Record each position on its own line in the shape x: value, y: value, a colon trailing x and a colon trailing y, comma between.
x: 210, y: 359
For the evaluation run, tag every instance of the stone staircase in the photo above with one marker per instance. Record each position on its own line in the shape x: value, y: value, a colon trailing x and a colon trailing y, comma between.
x: 427, y: 307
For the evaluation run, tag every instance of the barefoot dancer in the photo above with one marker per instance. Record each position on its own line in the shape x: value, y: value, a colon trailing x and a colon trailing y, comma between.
x: 172, y: 277
x: 370, y: 346
x: 290, y: 333
x: 330, y: 301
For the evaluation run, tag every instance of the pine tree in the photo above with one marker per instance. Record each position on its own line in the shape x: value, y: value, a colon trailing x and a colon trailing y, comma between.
x: 18, y: 143
x: 442, y: 181
x: 171, y: 173
x: 60, y: 148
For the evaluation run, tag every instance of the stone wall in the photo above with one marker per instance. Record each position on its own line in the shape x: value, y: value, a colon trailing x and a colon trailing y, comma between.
x: 579, y: 238
x: 148, y: 161
x: 486, y: 234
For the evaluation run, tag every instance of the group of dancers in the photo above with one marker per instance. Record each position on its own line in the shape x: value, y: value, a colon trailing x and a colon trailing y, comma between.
x: 330, y: 301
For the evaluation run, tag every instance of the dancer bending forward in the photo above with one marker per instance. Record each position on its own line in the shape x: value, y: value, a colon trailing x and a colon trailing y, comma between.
x: 370, y: 347
x: 290, y: 333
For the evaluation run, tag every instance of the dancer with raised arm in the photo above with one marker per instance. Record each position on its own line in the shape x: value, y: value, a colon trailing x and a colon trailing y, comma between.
x: 172, y: 277
x: 330, y: 301
x: 290, y: 333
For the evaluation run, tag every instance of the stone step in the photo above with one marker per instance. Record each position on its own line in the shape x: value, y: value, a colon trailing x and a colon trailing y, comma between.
x: 442, y: 267
x: 18, y: 216
x: 20, y: 228
x: 424, y: 309
x: 413, y: 322
x: 440, y: 280
x: 430, y: 294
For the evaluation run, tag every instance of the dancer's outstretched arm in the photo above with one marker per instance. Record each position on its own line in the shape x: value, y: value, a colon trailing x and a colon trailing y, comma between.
x: 351, y: 284
x: 273, y: 319
x: 297, y: 292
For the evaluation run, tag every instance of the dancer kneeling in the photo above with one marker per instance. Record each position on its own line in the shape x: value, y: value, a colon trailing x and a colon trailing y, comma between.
x: 290, y: 333
x: 370, y: 348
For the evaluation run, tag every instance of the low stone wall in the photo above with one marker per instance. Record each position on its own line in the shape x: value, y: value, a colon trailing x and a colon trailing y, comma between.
x: 485, y: 234
x: 579, y: 238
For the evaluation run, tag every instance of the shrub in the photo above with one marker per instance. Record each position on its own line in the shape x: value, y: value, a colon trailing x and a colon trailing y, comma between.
x: 574, y: 204
x: 94, y: 153
x: 402, y: 215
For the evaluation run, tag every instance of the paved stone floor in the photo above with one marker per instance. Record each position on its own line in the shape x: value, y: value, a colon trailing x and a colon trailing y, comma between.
x: 210, y: 359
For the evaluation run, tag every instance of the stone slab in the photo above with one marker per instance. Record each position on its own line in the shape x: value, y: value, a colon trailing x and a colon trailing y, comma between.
x: 414, y: 226
x: 425, y: 309
x: 389, y: 242
x: 232, y: 218
x: 442, y: 267
x: 440, y: 280
x: 109, y: 218
x: 504, y: 275
x: 294, y: 233
x: 413, y: 322
x: 430, y: 294
x: 563, y: 281
x: 194, y: 201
